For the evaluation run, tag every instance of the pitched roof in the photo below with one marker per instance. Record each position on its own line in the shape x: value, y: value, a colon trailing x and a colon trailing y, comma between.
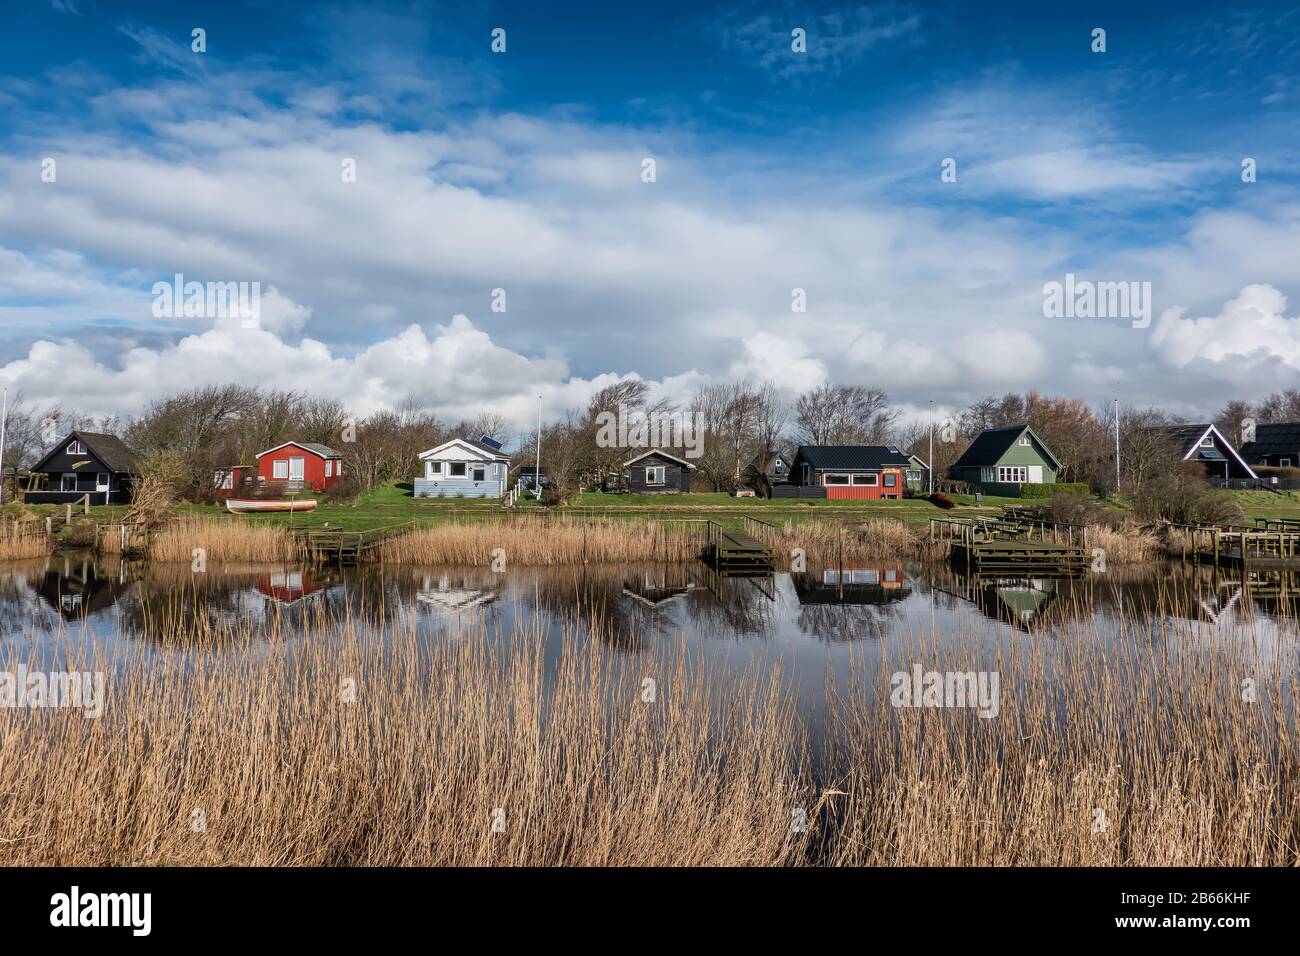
x: 1274, y: 438
x: 991, y: 444
x: 107, y: 448
x: 493, y: 453
x: 1189, y: 438
x: 316, y: 448
x: 661, y: 454
x: 851, y: 457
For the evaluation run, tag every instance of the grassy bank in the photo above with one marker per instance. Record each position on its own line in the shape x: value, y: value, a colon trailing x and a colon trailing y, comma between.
x: 345, y: 748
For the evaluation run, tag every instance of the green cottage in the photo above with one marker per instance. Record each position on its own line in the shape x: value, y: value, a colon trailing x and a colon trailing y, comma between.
x: 1001, y: 460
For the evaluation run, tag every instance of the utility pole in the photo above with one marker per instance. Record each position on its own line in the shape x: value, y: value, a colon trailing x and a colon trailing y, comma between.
x: 1117, y: 446
x: 537, y: 475
x: 4, y: 420
x: 929, y: 465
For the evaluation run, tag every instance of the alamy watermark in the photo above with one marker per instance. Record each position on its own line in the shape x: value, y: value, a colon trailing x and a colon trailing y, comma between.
x: 651, y: 430
x: 975, y: 690
x: 82, y: 690
x: 208, y: 300
x: 1085, y: 299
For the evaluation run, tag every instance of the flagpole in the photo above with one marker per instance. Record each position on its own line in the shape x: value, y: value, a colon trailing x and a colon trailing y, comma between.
x: 930, y: 464
x: 1117, y: 446
x: 537, y: 474
x: 4, y: 420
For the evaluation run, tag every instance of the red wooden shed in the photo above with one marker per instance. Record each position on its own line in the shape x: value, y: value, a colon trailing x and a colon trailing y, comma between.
x: 310, y: 464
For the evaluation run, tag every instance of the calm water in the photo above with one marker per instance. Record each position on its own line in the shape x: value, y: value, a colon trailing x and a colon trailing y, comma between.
x: 815, y: 626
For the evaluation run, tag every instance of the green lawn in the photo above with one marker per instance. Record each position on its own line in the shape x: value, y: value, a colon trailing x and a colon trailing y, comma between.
x: 394, y: 504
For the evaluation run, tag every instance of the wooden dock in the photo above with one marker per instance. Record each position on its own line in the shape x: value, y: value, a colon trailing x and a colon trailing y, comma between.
x: 1026, y: 556
x: 347, y: 547
x: 738, y: 551
x: 1015, y: 544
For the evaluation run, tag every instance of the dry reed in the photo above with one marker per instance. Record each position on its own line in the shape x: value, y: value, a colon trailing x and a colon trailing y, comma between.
x: 220, y: 540
x: 338, y: 747
x: 24, y: 539
x: 544, y: 541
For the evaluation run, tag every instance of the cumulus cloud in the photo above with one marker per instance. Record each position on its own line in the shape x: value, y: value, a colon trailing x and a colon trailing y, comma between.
x: 1251, y: 329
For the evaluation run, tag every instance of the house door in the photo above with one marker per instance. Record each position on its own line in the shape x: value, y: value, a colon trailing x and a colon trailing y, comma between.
x: 101, y: 481
x: 296, y: 469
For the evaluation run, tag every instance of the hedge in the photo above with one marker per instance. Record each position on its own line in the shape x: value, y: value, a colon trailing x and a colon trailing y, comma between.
x: 1046, y: 491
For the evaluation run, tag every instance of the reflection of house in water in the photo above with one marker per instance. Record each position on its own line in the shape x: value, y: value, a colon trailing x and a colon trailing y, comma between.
x: 1022, y: 601
x: 655, y: 588
x: 455, y: 592
x: 77, y: 588
x: 879, y: 583
x: 288, y: 587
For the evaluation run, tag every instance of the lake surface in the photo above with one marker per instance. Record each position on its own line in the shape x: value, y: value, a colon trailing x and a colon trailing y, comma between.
x: 815, y: 626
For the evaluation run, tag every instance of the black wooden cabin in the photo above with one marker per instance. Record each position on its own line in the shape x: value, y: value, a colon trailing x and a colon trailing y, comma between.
x: 657, y: 472
x: 84, y: 463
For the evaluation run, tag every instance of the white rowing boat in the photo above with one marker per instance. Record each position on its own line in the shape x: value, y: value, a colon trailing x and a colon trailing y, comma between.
x: 247, y: 505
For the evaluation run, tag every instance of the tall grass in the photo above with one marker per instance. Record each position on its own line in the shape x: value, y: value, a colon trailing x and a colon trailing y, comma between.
x: 24, y: 539
x: 338, y: 746
x: 220, y: 540
x: 542, y: 541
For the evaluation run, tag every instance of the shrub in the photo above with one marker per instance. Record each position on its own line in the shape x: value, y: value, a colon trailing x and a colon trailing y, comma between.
x: 1184, y: 498
x: 942, y: 500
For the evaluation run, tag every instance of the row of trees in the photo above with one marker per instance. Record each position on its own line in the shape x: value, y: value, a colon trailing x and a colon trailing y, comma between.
x: 721, y: 429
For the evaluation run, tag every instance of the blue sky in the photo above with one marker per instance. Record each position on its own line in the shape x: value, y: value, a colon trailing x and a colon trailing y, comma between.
x: 775, y: 171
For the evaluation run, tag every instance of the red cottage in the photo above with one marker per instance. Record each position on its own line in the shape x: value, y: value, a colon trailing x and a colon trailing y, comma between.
x: 311, y: 464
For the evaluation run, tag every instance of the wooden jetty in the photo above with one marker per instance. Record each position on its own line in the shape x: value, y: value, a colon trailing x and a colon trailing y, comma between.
x: 347, y: 547
x: 1248, y: 548
x: 737, y: 550
x: 990, y: 544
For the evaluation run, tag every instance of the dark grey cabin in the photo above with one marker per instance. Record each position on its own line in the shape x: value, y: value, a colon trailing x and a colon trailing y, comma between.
x: 85, y: 463
x: 657, y: 472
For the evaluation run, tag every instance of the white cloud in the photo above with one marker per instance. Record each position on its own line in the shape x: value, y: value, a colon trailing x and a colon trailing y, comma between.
x: 1250, y: 329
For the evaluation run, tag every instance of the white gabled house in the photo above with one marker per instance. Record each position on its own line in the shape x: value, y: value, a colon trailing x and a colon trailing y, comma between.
x: 462, y: 468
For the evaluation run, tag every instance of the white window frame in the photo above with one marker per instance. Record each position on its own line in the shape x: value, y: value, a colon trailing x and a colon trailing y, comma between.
x: 76, y: 448
x: 63, y: 481
x: 650, y: 475
x: 478, y: 472
x: 1207, y: 440
x: 836, y: 480
x: 1284, y: 462
x: 102, y: 481
x: 433, y: 469
x: 1024, y: 440
x: 1013, y: 474
x: 280, y: 469
x: 338, y: 468
x: 891, y: 480
x: 329, y: 467
x: 453, y: 465
x: 301, y: 462
x: 867, y: 481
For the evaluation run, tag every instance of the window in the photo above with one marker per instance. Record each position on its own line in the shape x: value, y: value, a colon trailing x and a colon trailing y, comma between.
x: 297, y: 469
x: 891, y: 479
x: 338, y: 468
x: 76, y: 448
x: 69, y: 482
x: 435, y: 468
x: 280, y: 470
x: 869, y: 480
x: 780, y: 467
x: 654, y: 475
x: 329, y: 468
x: 1012, y: 474
x: 1284, y: 462
x: 101, y: 481
x: 837, y: 479
x: 1207, y: 441
x: 891, y: 575
x: 1024, y: 440
x: 456, y: 469
x: 228, y: 480
x: 479, y: 472
x: 913, y: 475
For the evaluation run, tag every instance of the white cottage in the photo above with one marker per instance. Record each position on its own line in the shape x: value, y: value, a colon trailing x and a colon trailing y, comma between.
x: 462, y: 468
